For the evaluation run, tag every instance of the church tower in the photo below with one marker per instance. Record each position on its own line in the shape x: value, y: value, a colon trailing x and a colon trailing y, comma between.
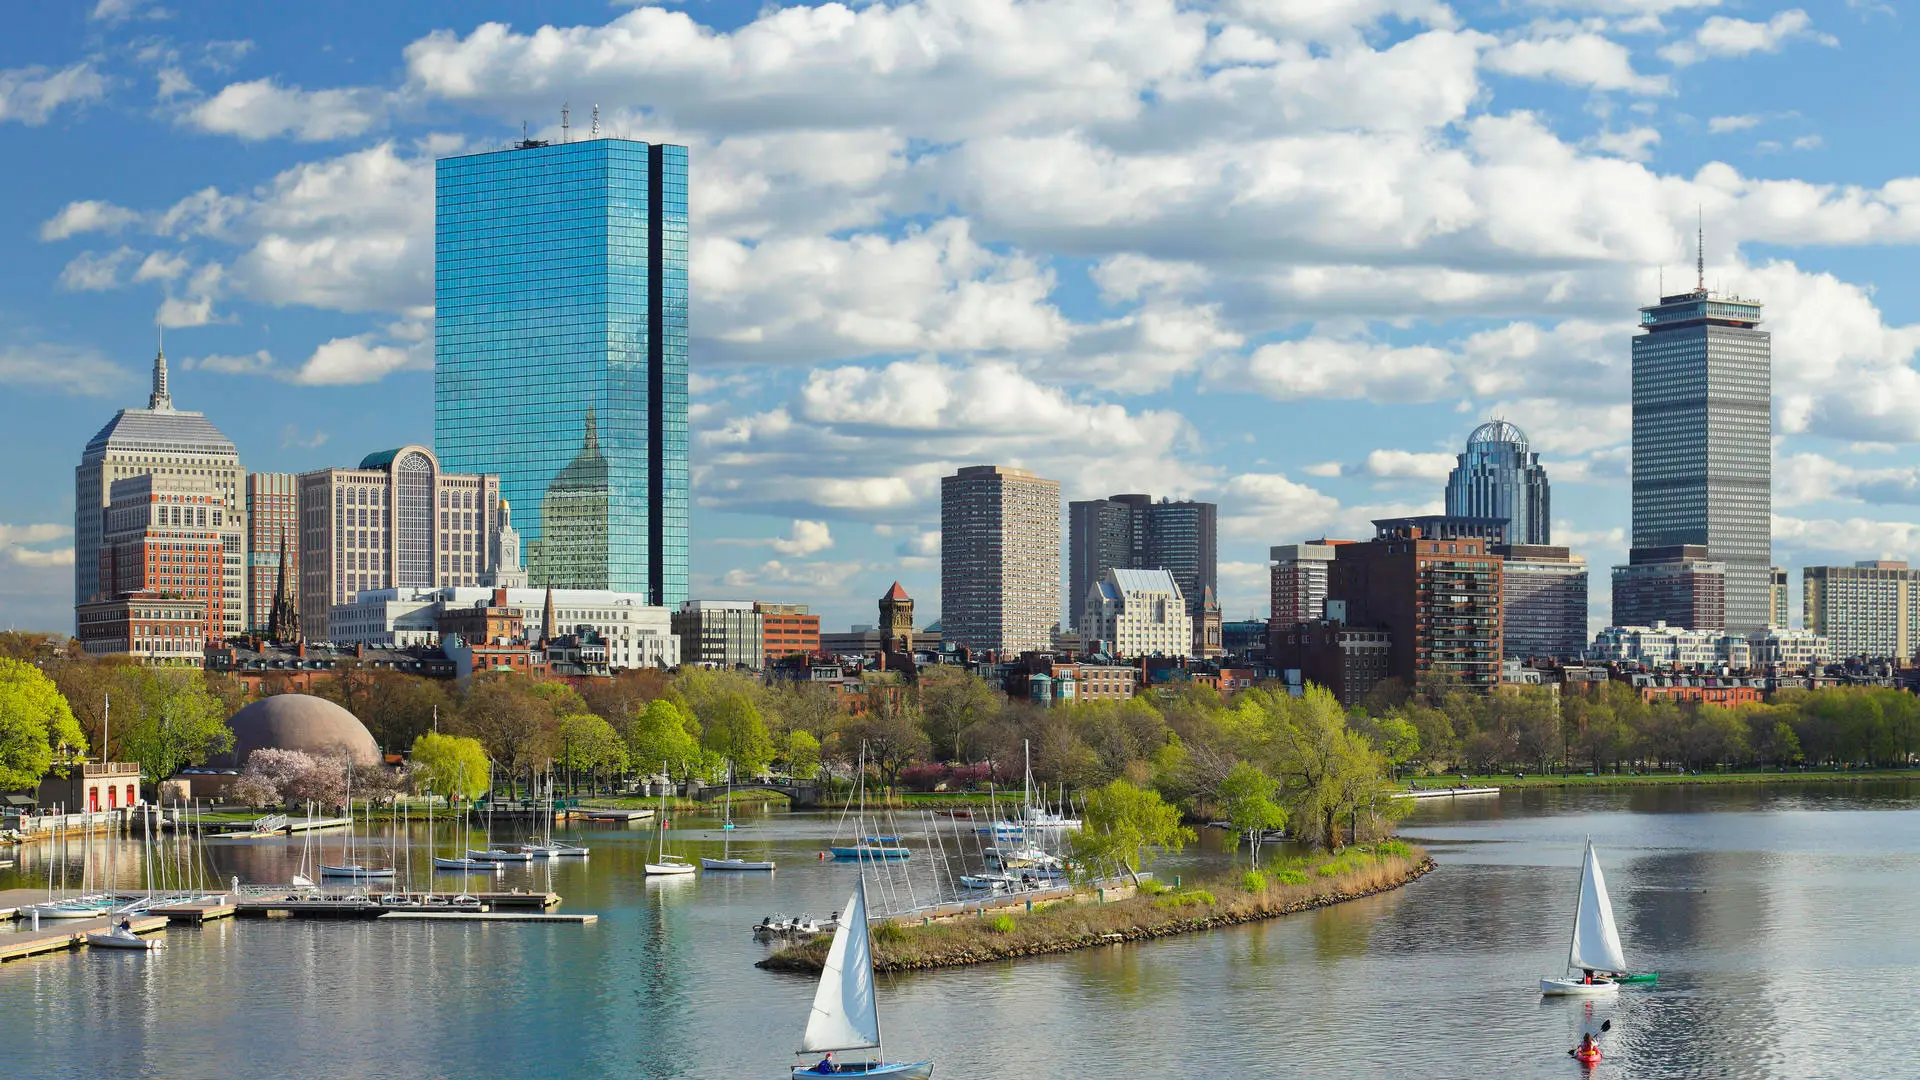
x: 896, y: 621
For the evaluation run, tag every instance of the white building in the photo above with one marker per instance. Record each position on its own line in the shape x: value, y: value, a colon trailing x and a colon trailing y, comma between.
x: 637, y: 635
x: 1661, y: 645
x: 1138, y: 613
x: 1789, y: 649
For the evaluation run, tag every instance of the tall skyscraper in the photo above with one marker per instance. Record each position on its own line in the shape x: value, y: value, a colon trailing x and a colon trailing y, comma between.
x: 1123, y: 532
x: 173, y: 536
x: 999, y: 559
x: 397, y: 522
x: 1299, y: 582
x: 1702, y: 440
x: 167, y: 442
x: 273, y: 527
x: 1499, y: 478
x: 560, y: 352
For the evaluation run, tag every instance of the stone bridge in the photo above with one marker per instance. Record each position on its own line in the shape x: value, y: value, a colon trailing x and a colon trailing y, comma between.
x: 802, y: 794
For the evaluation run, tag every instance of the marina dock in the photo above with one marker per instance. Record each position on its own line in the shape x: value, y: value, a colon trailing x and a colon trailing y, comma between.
x: 616, y: 815
x: 59, y: 934
x: 494, y: 916
x: 199, y: 911
x: 1446, y: 793
x: 371, y: 905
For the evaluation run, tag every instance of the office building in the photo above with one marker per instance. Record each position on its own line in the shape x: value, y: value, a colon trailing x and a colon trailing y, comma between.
x: 636, y: 634
x: 1439, y: 600
x: 999, y: 559
x: 159, y: 439
x: 1780, y: 598
x: 1498, y: 477
x: 1132, y: 613
x: 171, y: 535
x: 1348, y: 661
x: 1134, y: 532
x: 1491, y: 530
x: 788, y: 630
x: 155, y: 628
x: 1545, y: 592
x: 1679, y: 586
x: 560, y: 352
x: 1661, y: 645
x: 1702, y: 441
x: 1867, y: 610
x: 397, y: 522
x: 273, y: 513
x: 1298, y: 582
x: 720, y: 633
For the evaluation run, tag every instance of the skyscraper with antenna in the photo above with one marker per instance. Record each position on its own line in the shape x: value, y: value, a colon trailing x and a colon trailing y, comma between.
x: 1703, y: 439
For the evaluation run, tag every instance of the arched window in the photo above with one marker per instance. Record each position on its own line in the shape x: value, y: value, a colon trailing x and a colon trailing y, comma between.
x: 413, y: 482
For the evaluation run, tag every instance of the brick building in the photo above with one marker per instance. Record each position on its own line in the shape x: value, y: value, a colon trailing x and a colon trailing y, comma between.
x: 1438, y: 600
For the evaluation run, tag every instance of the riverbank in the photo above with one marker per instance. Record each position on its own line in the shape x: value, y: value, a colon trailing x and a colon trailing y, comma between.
x: 1084, y: 922
x: 1551, y: 780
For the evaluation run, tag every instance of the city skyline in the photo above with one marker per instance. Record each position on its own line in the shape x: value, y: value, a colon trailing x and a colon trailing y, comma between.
x: 276, y: 213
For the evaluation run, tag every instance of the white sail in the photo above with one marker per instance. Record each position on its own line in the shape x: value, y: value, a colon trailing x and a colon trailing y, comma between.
x: 1596, y: 942
x: 845, y: 1016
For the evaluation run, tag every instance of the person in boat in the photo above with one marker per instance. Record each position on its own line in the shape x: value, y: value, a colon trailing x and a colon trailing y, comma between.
x: 126, y: 924
x: 1589, y: 1046
x: 826, y: 1065
x: 1589, y: 976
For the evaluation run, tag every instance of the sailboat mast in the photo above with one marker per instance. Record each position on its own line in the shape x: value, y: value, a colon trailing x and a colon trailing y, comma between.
x: 1573, y: 936
x: 879, y: 1038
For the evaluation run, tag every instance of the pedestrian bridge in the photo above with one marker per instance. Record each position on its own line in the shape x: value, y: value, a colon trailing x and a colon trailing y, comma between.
x: 802, y: 794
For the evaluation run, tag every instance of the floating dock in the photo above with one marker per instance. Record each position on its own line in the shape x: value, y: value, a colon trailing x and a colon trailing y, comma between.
x: 56, y: 935
x: 1446, y: 793
x: 493, y: 916
x: 199, y: 911
x: 370, y: 905
x: 616, y: 815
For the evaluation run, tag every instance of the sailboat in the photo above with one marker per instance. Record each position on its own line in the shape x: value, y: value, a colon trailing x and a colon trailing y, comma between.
x: 1595, y: 950
x: 846, y: 1015
x: 663, y: 864
x: 726, y: 861
x: 348, y: 867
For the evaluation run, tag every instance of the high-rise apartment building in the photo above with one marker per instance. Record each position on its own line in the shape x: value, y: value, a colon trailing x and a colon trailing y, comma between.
x: 1498, y: 477
x: 1780, y: 598
x: 1438, y: 600
x: 1544, y: 589
x: 161, y: 440
x: 999, y: 559
x: 1298, y: 582
x: 1870, y: 609
x: 721, y: 633
x: 396, y: 522
x: 273, y: 529
x: 173, y: 536
x: 1679, y: 586
x: 1134, y: 532
x: 560, y: 352
x: 1702, y: 441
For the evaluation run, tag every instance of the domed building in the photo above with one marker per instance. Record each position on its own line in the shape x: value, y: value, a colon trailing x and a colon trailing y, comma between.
x: 301, y: 722
x: 1500, y: 477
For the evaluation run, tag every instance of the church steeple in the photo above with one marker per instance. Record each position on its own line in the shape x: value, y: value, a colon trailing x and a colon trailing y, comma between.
x: 160, y: 399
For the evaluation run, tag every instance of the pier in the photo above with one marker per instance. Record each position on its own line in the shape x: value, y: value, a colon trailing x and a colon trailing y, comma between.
x: 60, y: 934
x: 1446, y: 793
x: 494, y: 916
x: 372, y: 905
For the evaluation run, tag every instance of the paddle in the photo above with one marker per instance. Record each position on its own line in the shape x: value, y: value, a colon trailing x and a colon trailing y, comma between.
x: 1605, y: 1026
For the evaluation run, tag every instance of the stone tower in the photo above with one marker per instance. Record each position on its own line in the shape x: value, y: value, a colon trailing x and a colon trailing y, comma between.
x: 896, y: 621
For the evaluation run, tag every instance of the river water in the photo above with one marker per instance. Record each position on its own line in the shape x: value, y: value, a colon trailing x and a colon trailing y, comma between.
x: 1781, y: 923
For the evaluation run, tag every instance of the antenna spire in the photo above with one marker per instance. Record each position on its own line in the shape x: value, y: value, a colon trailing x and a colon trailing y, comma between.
x: 596, y: 120
x: 1700, y: 251
x: 160, y: 399
x: 566, y: 110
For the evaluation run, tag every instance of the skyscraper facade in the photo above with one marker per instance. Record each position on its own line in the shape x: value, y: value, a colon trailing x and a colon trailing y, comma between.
x: 1702, y: 441
x: 1134, y: 532
x: 560, y: 352
x: 273, y: 529
x: 1498, y: 477
x: 1299, y: 582
x: 1544, y: 589
x: 999, y: 559
x: 166, y: 442
x: 1869, y: 610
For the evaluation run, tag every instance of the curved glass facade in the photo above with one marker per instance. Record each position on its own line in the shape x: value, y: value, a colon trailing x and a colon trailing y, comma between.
x: 1499, y: 478
x: 560, y: 291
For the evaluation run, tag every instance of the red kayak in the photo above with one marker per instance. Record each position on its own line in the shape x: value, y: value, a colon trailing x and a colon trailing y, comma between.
x: 1587, y: 1057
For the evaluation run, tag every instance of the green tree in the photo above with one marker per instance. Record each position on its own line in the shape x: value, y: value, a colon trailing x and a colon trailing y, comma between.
x: 1326, y: 769
x: 176, y: 722
x: 34, y: 718
x: 663, y: 732
x: 952, y: 699
x: 1127, y: 826
x: 803, y: 754
x: 731, y: 728
x: 1246, y: 798
x: 452, y: 766
x: 589, y: 744
x: 515, y: 724
x: 889, y: 732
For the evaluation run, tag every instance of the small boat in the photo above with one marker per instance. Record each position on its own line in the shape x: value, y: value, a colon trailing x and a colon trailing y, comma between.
x: 552, y: 850
x: 779, y: 925
x: 870, y: 851
x: 468, y: 865
x: 846, y: 1013
x: 122, y: 938
x: 1595, y: 950
x: 499, y: 855
x: 85, y: 907
x: 726, y: 861
x: 663, y: 864
x: 356, y: 872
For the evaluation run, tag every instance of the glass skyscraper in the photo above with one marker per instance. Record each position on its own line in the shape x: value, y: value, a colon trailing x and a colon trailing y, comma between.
x: 1703, y: 441
x: 560, y: 352
x: 1498, y: 478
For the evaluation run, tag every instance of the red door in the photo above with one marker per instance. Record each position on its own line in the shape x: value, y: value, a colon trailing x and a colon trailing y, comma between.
x: 113, y: 797
x: 93, y: 799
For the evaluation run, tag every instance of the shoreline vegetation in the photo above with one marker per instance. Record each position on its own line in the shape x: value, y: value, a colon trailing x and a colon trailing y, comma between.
x: 1156, y: 910
x: 1663, y: 779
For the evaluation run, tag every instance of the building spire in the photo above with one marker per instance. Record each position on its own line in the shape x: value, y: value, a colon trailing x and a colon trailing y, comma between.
x: 1700, y: 252
x: 160, y: 399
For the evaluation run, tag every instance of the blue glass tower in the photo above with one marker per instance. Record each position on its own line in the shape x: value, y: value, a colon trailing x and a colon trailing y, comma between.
x: 1498, y: 478
x: 560, y: 352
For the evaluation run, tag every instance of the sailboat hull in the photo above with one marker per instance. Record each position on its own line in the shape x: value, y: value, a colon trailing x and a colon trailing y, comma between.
x: 733, y: 864
x: 1576, y: 988
x: 668, y: 869
x: 899, y: 1070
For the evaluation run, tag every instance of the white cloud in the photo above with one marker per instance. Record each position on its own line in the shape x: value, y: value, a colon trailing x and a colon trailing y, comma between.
x: 1722, y: 37
x: 1720, y: 124
x: 818, y: 577
x: 254, y: 363
x: 33, y: 534
x: 806, y: 538
x: 87, y: 215
x: 113, y: 12
x: 93, y: 272
x: 1634, y: 144
x: 162, y: 266
x: 31, y: 95
x: 41, y: 559
x: 67, y: 369
x: 362, y: 358
x: 263, y: 109
x: 1269, y: 507
x: 14, y: 538
x: 1408, y: 465
x: 1327, y: 368
x: 1588, y: 60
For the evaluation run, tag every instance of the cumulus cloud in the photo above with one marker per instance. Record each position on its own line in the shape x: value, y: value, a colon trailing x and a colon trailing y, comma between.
x: 263, y: 109
x: 1721, y: 37
x: 1329, y: 368
x: 65, y: 369
x: 31, y: 95
x: 1409, y: 465
x: 94, y: 272
x: 1586, y: 59
x: 87, y: 215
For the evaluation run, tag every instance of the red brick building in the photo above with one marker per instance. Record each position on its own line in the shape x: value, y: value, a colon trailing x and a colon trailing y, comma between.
x: 787, y: 630
x: 174, y: 537
x: 1438, y: 600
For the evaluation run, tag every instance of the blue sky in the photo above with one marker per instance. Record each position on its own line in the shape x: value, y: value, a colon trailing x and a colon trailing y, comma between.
x: 1278, y: 254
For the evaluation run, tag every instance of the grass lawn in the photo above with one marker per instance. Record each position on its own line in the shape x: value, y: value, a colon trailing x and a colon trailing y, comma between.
x: 1581, y: 779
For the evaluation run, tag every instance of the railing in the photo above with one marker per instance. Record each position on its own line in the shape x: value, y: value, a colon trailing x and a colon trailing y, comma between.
x: 271, y: 823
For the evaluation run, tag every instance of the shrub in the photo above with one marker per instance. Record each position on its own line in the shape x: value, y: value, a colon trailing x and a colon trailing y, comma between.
x: 1254, y: 881
x: 887, y: 933
x: 924, y: 777
x: 1393, y: 849
x: 1189, y: 898
x: 1290, y: 875
x: 1001, y: 924
x: 1154, y: 886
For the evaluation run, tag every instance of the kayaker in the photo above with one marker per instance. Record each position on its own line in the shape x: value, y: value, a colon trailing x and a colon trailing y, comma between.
x: 1589, y: 1047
